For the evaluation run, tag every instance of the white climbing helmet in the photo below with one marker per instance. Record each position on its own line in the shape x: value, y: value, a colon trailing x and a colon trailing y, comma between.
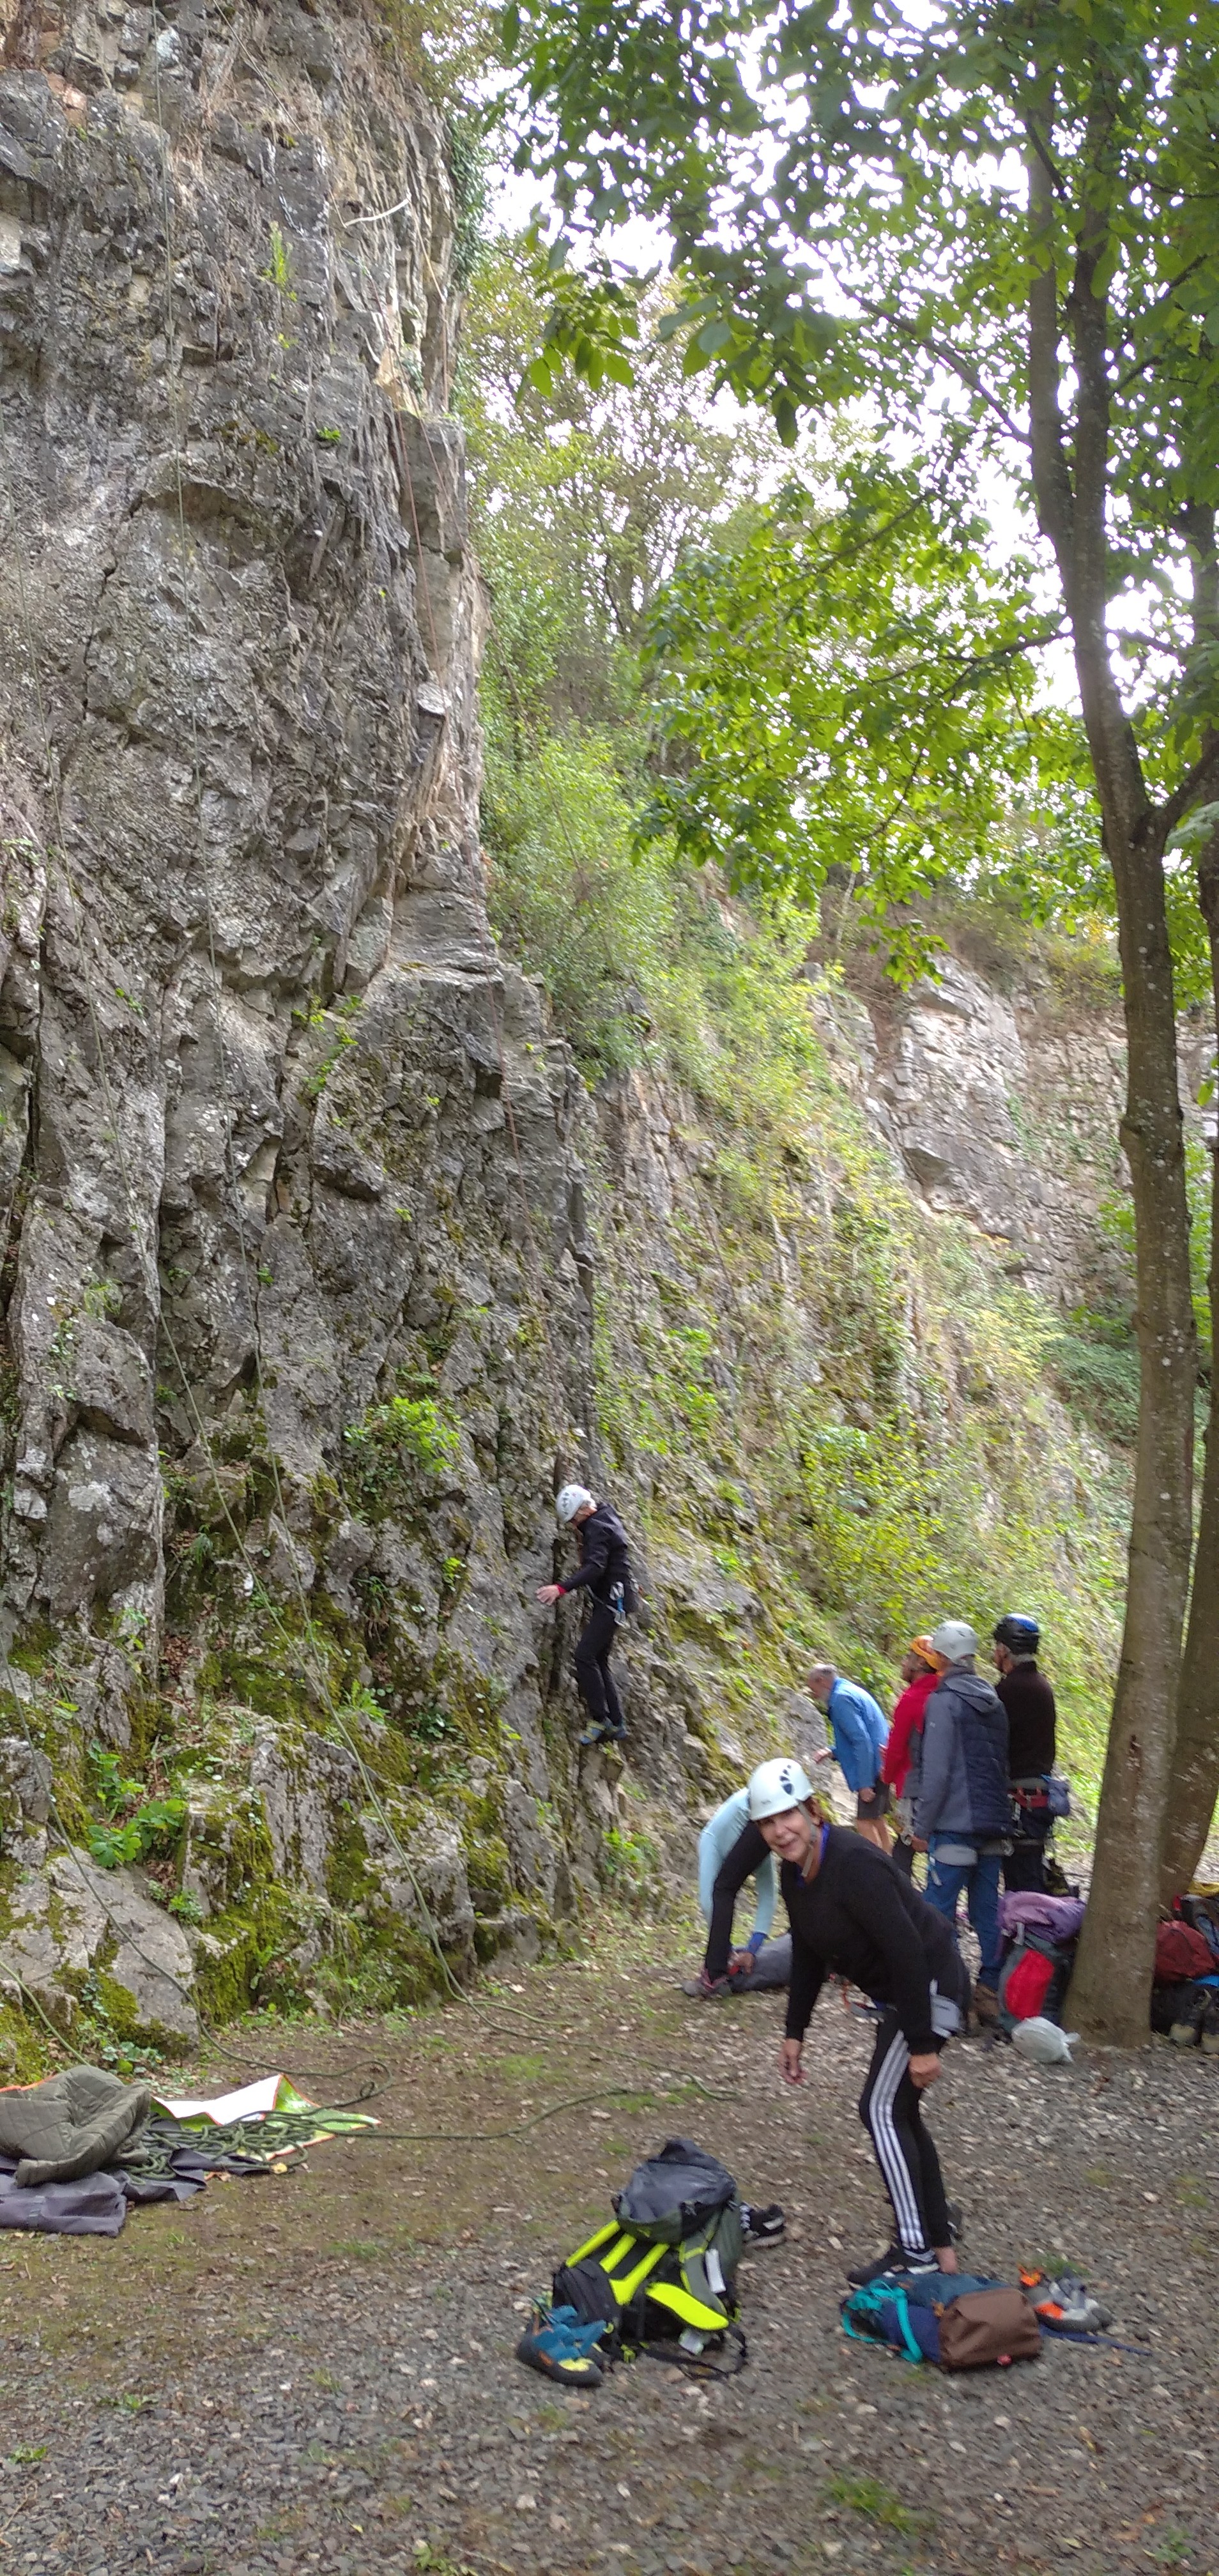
x: 955, y: 1640
x: 776, y: 1786
x: 572, y: 1499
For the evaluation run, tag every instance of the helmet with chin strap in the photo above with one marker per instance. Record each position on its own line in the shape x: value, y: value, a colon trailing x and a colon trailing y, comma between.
x: 776, y: 1786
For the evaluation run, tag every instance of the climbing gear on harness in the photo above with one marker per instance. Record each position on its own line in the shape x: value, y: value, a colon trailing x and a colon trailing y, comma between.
x: 561, y: 2348
x: 776, y: 1786
x: 571, y: 1499
x: 661, y: 2277
x: 617, y: 1603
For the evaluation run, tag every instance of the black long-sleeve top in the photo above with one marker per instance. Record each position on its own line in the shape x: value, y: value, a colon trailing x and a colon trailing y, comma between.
x: 1032, y: 1720
x: 746, y: 1856
x: 605, y: 1558
x: 860, y: 1919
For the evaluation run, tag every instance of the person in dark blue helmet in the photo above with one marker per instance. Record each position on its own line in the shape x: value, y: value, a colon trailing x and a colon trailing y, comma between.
x: 1032, y: 1731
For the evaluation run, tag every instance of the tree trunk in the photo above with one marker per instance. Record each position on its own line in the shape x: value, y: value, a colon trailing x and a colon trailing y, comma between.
x: 1195, y: 1770
x: 1112, y: 1980
x: 1108, y: 1998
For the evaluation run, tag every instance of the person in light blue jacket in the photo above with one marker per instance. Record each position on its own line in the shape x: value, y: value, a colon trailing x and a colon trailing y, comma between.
x: 731, y: 1837
x: 859, y: 1732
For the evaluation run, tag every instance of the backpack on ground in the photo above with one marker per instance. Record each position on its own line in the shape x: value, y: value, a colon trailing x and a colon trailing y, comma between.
x: 662, y: 2274
x: 960, y: 2321
x: 1181, y: 1952
x: 1034, y: 1978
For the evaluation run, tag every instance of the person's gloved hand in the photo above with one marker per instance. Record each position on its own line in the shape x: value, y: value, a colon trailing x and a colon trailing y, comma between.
x: 741, y: 1963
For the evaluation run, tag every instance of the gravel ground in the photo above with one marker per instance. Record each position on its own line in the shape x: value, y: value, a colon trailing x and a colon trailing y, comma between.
x: 317, y: 2373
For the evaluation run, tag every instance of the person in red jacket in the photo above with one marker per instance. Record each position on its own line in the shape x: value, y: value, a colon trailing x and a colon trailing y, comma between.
x: 920, y: 1670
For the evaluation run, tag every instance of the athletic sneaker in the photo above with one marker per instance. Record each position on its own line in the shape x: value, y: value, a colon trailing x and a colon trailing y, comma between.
x: 1210, y: 2030
x: 893, y: 2264
x: 763, y: 2226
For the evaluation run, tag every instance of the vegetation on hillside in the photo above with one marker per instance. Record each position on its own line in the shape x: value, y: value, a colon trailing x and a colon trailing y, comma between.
x: 852, y: 1411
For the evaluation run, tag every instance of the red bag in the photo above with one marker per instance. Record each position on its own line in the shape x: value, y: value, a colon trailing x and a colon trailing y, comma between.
x: 1025, y: 1991
x: 1180, y: 1953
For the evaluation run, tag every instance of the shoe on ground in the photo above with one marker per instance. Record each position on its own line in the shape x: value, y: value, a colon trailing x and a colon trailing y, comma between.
x: 986, y: 2006
x: 764, y: 2226
x: 705, y: 1989
x: 1187, y: 2032
x: 558, y: 2346
x: 893, y: 2265
x: 1210, y: 2030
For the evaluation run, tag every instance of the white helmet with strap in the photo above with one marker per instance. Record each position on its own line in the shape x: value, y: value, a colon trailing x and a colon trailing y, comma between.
x: 775, y: 1786
x: 572, y: 1499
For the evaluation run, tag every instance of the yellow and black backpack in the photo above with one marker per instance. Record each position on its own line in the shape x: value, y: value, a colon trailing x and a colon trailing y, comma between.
x: 662, y: 2274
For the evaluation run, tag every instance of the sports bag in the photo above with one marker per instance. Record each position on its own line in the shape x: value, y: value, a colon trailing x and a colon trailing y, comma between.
x: 988, y: 2326
x: 962, y: 2321
x: 663, y: 2273
x: 1034, y: 1978
x: 673, y: 2192
x: 1180, y: 1953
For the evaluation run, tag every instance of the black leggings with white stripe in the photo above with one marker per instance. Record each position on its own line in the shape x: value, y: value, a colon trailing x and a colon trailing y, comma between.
x: 891, y: 2108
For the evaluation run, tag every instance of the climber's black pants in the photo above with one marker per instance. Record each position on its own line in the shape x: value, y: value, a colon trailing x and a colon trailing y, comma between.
x: 594, y: 1680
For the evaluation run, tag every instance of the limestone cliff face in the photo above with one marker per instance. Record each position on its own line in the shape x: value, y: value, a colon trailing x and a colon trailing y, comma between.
x: 286, y: 1167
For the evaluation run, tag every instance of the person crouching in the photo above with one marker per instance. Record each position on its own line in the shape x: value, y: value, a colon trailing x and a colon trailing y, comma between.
x: 853, y: 1915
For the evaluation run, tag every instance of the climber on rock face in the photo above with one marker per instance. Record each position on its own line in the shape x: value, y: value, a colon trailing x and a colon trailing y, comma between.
x: 604, y: 1573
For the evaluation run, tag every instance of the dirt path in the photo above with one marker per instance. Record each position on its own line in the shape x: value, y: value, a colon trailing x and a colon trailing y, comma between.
x: 316, y: 2373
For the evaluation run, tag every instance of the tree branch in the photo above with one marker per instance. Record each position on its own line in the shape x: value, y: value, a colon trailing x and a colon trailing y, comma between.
x: 947, y: 355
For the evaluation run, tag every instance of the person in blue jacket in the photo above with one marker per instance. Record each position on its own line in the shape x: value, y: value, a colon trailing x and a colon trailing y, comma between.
x: 730, y: 1850
x: 859, y: 1732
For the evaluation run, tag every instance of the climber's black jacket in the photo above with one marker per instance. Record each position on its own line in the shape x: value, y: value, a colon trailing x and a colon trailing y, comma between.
x: 605, y: 1558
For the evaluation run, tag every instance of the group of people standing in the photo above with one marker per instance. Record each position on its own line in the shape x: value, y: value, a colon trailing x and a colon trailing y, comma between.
x: 965, y: 1767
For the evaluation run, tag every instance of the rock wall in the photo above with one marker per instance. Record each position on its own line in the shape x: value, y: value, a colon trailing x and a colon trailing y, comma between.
x: 296, y: 1290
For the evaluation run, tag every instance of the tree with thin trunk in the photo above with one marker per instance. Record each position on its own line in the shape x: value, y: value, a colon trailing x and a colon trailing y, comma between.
x: 997, y: 230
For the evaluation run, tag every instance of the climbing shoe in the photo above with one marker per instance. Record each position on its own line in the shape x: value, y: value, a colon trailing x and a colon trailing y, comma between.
x: 764, y: 2226
x: 603, y: 1735
x: 707, y: 1990
x: 561, y: 2348
x: 895, y: 2263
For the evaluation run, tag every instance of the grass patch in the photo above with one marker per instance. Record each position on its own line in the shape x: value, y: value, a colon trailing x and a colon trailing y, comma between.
x: 871, y: 2497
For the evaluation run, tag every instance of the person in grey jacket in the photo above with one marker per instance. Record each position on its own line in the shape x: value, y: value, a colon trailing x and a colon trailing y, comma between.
x: 962, y: 1810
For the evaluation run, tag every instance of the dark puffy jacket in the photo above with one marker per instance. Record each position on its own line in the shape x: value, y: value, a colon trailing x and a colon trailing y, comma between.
x: 605, y: 1558
x: 962, y: 1785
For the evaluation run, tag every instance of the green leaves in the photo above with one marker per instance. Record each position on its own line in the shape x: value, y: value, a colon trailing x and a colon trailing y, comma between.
x: 852, y: 687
